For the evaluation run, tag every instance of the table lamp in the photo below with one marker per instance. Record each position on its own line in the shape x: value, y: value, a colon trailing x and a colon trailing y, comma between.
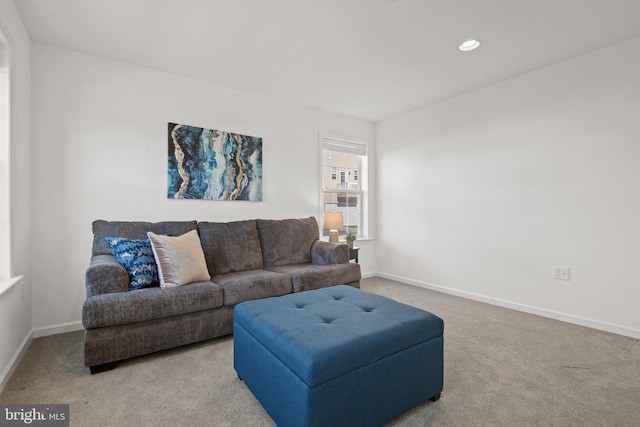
x: 333, y: 222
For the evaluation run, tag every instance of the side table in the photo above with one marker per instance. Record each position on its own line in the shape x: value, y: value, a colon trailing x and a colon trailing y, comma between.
x: 353, y: 254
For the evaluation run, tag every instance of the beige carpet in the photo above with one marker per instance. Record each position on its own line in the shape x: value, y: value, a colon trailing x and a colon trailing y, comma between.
x: 502, y: 368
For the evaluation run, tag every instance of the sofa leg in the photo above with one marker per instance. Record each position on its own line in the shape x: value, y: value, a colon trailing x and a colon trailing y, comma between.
x: 101, y: 368
x: 436, y: 397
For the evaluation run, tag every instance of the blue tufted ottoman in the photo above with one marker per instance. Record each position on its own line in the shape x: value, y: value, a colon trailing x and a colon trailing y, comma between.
x: 337, y: 356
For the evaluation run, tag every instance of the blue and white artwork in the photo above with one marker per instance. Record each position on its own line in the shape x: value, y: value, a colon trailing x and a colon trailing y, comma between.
x: 213, y: 165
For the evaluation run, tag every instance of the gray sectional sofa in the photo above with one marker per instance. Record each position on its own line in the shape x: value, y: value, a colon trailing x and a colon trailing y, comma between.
x: 246, y: 260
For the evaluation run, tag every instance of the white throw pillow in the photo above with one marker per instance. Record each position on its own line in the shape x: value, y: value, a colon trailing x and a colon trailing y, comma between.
x: 180, y: 259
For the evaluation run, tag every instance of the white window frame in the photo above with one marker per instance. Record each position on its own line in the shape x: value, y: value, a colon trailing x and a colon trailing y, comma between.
x: 7, y: 278
x: 355, y: 146
x: 6, y: 267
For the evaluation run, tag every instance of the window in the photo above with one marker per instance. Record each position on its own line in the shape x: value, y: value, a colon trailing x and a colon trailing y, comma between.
x: 5, y: 194
x: 347, y: 161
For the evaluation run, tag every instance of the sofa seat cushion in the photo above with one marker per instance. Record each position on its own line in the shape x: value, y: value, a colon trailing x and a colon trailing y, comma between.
x: 306, y: 277
x: 121, y: 308
x: 253, y: 284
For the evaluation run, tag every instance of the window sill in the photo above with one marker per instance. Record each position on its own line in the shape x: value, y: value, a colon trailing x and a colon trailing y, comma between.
x: 7, y: 284
x: 364, y: 239
x: 360, y: 239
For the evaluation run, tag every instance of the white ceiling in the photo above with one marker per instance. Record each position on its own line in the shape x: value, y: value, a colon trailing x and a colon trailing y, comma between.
x: 370, y: 59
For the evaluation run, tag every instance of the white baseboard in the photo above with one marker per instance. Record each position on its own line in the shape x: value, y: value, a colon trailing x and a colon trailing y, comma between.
x: 564, y: 317
x: 62, y: 328
x: 4, y: 378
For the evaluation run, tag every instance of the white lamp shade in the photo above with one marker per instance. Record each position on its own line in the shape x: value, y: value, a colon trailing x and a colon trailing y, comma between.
x: 333, y: 221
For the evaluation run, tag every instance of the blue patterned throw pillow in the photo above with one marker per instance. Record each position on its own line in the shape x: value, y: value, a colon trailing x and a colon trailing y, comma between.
x: 136, y: 256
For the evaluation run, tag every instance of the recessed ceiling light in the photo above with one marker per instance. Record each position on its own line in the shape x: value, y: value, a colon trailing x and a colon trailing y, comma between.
x: 469, y: 45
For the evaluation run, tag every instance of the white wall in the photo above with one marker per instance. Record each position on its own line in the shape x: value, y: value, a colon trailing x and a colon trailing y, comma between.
x: 483, y: 193
x: 15, y: 305
x: 100, y: 151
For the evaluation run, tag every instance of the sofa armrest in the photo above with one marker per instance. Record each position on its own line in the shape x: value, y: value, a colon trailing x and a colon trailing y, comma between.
x: 104, y: 275
x: 329, y: 253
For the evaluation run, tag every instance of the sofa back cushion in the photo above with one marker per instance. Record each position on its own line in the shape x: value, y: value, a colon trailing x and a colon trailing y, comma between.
x: 230, y: 247
x: 134, y: 230
x: 287, y: 241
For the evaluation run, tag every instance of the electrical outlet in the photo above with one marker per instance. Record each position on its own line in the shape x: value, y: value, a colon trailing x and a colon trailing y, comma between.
x: 561, y: 273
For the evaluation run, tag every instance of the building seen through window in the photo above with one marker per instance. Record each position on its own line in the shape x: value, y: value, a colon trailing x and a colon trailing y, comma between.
x: 342, y: 163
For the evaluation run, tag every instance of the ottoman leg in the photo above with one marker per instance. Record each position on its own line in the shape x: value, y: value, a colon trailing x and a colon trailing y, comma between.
x: 436, y: 397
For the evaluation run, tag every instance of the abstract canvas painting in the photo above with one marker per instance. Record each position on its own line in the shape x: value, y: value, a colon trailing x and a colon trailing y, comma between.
x: 214, y: 165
